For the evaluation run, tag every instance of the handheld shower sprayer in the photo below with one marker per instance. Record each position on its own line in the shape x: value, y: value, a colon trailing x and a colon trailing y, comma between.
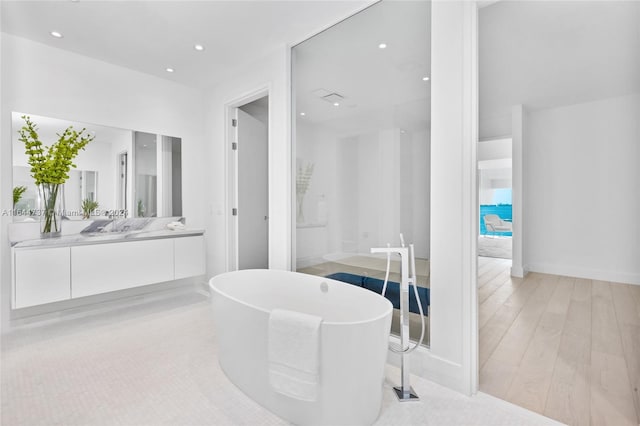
x: 386, y: 275
x: 408, y: 278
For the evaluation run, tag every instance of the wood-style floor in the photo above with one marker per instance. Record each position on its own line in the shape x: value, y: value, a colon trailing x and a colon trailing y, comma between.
x: 564, y: 347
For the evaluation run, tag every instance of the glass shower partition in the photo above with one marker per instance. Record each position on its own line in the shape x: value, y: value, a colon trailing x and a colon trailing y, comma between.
x: 361, y: 99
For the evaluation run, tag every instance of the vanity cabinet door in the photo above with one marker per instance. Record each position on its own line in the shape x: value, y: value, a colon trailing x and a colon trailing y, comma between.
x: 41, y: 276
x: 102, y: 268
x: 189, y: 257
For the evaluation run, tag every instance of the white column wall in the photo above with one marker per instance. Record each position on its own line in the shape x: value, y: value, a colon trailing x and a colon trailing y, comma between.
x: 452, y: 358
x: 272, y: 73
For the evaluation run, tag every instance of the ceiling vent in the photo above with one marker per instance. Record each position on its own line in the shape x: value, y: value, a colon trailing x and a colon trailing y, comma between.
x: 321, y: 93
x: 333, y: 98
x: 328, y: 96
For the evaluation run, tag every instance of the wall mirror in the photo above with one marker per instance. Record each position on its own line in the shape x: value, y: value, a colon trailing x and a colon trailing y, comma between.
x: 128, y: 173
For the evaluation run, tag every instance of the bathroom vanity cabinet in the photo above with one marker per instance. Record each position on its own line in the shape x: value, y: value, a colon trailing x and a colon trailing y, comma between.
x: 45, y: 274
x: 41, y: 276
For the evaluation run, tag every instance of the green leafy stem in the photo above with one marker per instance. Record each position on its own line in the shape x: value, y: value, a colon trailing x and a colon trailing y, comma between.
x: 50, y: 165
x: 17, y: 193
x: 88, y: 207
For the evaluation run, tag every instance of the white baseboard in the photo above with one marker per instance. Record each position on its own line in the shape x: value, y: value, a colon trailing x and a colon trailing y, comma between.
x: 587, y: 273
x: 106, y: 301
x: 425, y: 364
x: 518, y: 271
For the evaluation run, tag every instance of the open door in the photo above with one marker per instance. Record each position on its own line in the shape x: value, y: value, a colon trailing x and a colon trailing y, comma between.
x: 251, y: 214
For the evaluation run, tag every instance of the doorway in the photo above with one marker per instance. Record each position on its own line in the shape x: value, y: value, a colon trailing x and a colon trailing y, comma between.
x: 557, y: 340
x: 495, y: 191
x: 249, y: 189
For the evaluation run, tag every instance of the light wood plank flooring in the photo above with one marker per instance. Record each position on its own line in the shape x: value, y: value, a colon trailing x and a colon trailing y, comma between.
x: 564, y: 347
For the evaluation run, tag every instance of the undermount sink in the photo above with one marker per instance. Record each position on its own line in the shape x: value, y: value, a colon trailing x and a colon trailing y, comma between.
x: 98, y: 227
x: 105, y: 235
x: 102, y: 227
x: 129, y: 225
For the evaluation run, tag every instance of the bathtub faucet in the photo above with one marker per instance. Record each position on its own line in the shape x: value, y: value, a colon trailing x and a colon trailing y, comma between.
x: 407, y: 260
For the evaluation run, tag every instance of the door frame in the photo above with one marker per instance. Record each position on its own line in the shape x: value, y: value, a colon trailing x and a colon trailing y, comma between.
x: 231, y: 173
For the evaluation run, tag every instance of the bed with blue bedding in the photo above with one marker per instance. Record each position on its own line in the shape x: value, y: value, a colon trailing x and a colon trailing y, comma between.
x: 393, y: 290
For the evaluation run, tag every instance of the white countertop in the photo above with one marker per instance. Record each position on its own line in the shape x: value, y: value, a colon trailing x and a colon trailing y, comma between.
x: 106, y: 237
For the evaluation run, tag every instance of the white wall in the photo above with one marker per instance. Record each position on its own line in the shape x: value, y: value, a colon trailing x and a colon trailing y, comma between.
x: 494, y: 149
x: 420, y: 197
x: 491, y: 179
x: 494, y: 127
x: 494, y: 164
x: 582, y: 190
x: 272, y: 72
x: 375, y: 185
x: 315, y: 143
x: 51, y: 82
x: 452, y: 359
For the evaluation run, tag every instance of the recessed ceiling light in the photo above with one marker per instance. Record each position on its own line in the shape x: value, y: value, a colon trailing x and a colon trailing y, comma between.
x: 336, y: 104
x: 425, y: 78
x: 198, y: 47
x: 170, y: 69
x: 303, y: 114
x: 382, y: 45
x: 56, y: 34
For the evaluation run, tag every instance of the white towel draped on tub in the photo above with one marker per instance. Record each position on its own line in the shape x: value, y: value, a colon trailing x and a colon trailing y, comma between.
x: 294, y: 354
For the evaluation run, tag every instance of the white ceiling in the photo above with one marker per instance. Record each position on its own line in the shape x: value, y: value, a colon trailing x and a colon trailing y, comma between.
x: 550, y: 53
x: 538, y: 53
x: 383, y: 88
x: 150, y: 36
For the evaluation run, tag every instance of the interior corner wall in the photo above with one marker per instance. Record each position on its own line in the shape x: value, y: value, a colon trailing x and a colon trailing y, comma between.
x: 270, y: 72
x: 519, y: 123
x: 582, y: 190
x: 43, y: 80
x: 495, y: 127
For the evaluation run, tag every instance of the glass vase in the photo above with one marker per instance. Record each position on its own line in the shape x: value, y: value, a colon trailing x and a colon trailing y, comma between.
x: 300, y: 209
x: 51, y: 206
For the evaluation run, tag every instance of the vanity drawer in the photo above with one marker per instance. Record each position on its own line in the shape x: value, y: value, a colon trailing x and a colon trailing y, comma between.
x: 102, y: 268
x: 189, y: 257
x: 41, y: 276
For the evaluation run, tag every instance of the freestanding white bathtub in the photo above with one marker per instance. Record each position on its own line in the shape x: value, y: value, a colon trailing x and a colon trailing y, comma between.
x: 353, y: 342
